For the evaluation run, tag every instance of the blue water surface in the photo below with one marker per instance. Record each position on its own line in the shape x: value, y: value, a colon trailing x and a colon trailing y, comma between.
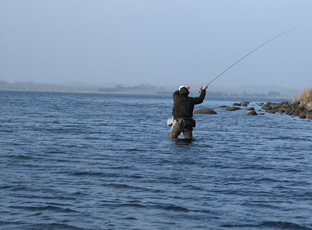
x: 104, y: 161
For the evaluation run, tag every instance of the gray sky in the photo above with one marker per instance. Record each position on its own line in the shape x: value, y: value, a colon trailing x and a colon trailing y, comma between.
x: 159, y: 42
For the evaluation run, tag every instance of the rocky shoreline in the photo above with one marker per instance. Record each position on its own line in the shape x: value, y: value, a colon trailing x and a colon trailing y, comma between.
x: 296, y: 108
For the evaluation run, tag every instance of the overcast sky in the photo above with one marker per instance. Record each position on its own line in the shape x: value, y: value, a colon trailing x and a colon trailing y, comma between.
x: 159, y: 42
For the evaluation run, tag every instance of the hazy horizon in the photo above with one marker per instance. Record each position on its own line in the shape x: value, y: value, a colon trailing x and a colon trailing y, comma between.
x: 162, y: 43
x: 249, y: 89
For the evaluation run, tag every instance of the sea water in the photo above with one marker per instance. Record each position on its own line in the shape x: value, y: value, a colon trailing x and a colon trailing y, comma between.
x: 104, y: 161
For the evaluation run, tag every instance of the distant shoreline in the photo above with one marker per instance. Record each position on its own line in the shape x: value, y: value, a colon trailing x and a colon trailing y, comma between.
x: 143, y: 93
x: 78, y: 91
x: 141, y: 89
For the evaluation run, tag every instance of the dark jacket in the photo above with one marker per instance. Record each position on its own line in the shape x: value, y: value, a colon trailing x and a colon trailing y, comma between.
x: 184, y: 105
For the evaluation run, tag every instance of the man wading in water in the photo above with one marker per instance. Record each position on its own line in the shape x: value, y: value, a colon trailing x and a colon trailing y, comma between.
x: 183, y: 111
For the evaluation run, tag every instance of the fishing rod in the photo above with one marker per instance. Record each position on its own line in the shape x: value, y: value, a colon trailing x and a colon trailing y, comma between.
x: 251, y: 53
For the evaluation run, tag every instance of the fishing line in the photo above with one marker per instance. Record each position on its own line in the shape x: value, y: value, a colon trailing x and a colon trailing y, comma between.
x: 251, y: 53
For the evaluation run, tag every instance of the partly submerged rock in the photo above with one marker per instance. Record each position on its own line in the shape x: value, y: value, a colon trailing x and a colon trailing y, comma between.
x: 267, y: 106
x: 252, y: 113
x: 244, y: 103
x: 302, y: 116
x: 205, y: 111
x: 250, y: 108
x: 232, y: 108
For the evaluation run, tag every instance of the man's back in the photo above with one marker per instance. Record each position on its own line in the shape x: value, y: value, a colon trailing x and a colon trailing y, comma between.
x: 184, y: 105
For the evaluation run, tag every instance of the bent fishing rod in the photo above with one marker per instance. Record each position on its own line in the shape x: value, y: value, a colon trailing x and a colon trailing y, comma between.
x: 251, y: 53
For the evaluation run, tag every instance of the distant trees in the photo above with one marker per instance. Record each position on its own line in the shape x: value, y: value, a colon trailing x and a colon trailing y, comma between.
x: 273, y: 94
x: 120, y: 88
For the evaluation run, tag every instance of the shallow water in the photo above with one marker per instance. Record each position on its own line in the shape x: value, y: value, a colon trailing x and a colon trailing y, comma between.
x: 104, y: 161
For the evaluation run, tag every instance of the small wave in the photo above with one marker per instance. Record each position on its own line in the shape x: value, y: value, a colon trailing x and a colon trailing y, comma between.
x: 256, y: 167
x: 6, y: 131
x: 53, y: 226
x: 85, y: 173
x: 44, y: 208
x: 269, y: 225
x: 126, y: 186
x: 130, y: 218
x: 290, y: 138
x: 118, y: 204
x: 65, y: 226
x: 176, y: 208
x: 194, y: 187
x: 283, y: 225
x: 19, y: 188
x: 266, y: 179
x: 5, y: 187
x: 23, y: 157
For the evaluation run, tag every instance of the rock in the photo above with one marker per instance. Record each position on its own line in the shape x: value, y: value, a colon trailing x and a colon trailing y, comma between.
x: 205, y: 111
x: 267, y: 106
x: 272, y: 110
x: 308, y: 106
x: 244, y: 103
x: 295, y: 103
x: 302, y: 116
x: 284, y: 103
x: 296, y: 108
x: 250, y: 108
x: 232, y: 108
x: 222, y: 106
x: 252, y: 113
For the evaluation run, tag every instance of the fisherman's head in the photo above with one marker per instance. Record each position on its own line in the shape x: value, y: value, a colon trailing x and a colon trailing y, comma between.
x: 183, y: 90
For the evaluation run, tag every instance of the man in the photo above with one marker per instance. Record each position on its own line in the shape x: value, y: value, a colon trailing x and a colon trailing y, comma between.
x: 183, y: 111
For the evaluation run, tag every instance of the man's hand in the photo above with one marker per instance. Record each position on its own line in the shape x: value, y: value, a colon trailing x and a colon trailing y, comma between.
x: 188, y: 87
x: 205, y: 87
